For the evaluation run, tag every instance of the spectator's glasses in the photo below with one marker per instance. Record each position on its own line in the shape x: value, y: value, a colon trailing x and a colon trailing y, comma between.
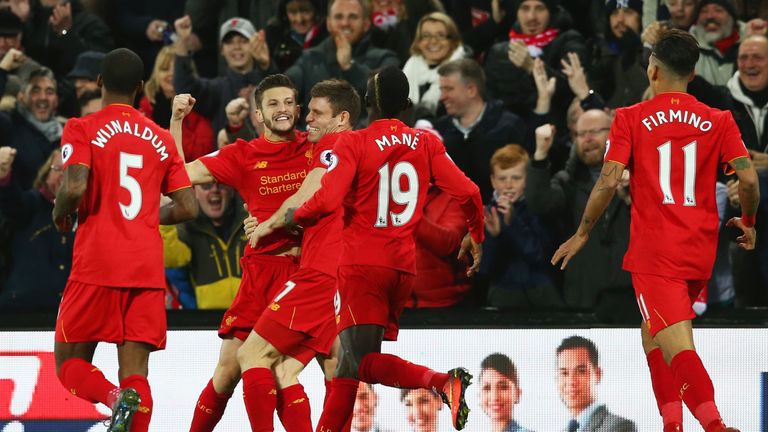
x: 592, y: 132
x: 438, y: 37
x: 208, y: 186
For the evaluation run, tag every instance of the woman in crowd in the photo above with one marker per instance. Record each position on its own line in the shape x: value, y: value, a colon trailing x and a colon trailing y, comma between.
x: 298, y: 25
x: 156, y: 104
x: 437, y: 41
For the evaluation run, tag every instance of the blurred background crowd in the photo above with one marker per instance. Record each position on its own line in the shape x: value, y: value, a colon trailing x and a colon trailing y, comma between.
x: 522, y: 92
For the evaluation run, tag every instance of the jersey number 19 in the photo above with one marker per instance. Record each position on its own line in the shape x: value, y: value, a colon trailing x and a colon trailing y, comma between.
x: 389, y: 186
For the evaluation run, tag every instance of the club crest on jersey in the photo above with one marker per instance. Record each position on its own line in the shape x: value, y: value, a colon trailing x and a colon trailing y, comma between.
x: 66, y: 152
x: 329, y: 159
x: 260, y: 165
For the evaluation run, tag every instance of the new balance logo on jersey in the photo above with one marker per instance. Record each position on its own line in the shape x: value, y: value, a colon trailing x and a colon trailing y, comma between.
x: 261, y: 165
x: 403, y: 139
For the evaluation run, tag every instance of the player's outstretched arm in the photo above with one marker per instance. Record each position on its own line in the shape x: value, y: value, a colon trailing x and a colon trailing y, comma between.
x: 182, y: 106
x: 601, y: 195
x: 182, y: 208
x: 749, y: 197
x: 309, y: 186
x: 69, y: 195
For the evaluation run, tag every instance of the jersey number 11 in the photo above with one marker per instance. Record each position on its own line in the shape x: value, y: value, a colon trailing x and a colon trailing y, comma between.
x: 689, y: 173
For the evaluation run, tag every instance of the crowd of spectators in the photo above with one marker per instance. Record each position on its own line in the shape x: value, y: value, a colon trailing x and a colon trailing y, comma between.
x: 522, y: 92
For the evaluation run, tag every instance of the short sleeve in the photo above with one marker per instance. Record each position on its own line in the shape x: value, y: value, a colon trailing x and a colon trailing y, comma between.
x: 618, y: 148
x: 176, y: 176
x: 322, y: 153
x: 75, y: 149
x: 732, y: 145
x: 226, y: 164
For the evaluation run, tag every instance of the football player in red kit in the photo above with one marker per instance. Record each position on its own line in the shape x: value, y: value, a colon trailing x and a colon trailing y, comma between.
x: 265, y: 172
x: 301, y: 320
x: 673, y: 146
x: 381, y: 179
x: 117, y: 163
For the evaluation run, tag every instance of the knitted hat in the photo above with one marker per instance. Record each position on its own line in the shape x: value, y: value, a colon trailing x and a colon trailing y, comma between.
x: 552, y: 5
x: 725, y: 4
x: 636, y: 5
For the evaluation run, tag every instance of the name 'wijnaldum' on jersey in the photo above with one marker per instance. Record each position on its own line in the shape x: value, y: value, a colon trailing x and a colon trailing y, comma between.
x: 115, y: 127
x: 403, y: 139
x: 676, y: 116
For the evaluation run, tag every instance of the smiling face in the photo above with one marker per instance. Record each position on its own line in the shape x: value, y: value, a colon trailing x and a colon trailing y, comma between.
x: 301, y: 15
x: 320, y: 118
x: 753, y: 63
x: 40, y: 98
x: 498, y: 396
x: 622, y: 19
x: 533, y: 17
x: 434, y: 42
x: 364, y: 412
x: 509, y: 183
x: 577, y: 379
x: 279, y: 110
x: 591, y: 133
x: 681, y: 13
x: 423, y: 407
x: 235, y: 50
x: 716, y: 22
x: 455, y: 94
x: 346, y: 18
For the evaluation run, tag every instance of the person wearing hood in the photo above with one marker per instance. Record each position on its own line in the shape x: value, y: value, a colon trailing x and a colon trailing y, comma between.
x: 297, y: 26
x: 748, y: 88
x: 537, y: 33
x: 617, y: 70
x: 56, y: 32
x: 348, y: 54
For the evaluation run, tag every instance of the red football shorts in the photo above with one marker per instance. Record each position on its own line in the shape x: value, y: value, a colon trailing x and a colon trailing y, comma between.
x: 665, y: 301
x: 373, y: 295
x: 94, y: 313
x: 301, y: 319
x: 263, y: 277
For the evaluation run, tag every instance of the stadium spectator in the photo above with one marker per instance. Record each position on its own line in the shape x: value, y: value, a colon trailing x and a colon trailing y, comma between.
x: 41, y: 256
x: 298, y: 25
x: 500, y: 392
x: 15, y: 67
x: 748, y: 89
x: 518, y: 243
x: 617, y: 70
x: 474, y: 126
x: 422, y: 409
x: 197, y: 133
x: 90, y: 102
x: 437, y: 42
x: 681, y: 13
x: 578, y: 374
x: 209, y: 246
x: 441, y: 279
x: 55, y: 33
x: 347, y: 54
x: 80, y: 79
x: 395, y: 22
x: 207, y: 18
x: 482, y: 23
x: 594, y: 279
x: 145, y: 26
x: 535, y: 34
x: 364, y: 412
x: 248, y: 62
x: 33, y: 128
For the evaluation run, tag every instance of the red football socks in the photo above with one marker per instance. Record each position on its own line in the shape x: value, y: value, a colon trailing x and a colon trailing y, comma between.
x: 663, y: 382
x: 392, y: 371
x: 210, y: 407
x: 260, y: 397
x: 143, y: 415
x: 695, y: 387
x: 293, y: 409
x: 86, y: 381
x: 338, y: 408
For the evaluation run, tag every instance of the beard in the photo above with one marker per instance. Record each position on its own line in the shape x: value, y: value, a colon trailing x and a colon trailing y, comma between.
x: 725, y: 30
x: 269, y: 124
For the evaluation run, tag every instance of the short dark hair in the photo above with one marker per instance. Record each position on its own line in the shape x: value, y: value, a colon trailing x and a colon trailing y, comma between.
x: 122, y: 71
x: 469, y: 70
x: 390, y: 92
x: 88, y: 96
x: 501, y: 364
x: 270, y: 82
x: 574, y: 342
x: 341, y: 96
x: 404, y: 392
x: 678, y: 51
x: 41, y: 72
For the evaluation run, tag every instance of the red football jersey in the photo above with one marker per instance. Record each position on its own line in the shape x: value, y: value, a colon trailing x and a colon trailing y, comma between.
x: 324, y: 237
x: 131, y: 161
x: 673, y: 146
x: 264, y: 173
x: 382, y: 176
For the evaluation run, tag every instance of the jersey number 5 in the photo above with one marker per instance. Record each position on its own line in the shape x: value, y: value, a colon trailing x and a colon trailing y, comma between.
x: 133, y: 208
x: 391, y: 188
x: 689, y: 173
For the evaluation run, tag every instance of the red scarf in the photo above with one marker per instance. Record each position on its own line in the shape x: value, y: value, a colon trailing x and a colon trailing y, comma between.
x: 540, y: 40
x: 385, y: 19
x: 310, y: 36
x: 724, y: 44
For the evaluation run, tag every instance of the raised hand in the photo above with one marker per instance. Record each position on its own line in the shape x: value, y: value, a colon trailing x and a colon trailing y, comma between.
x: 343, y: 51
x: 237, y: 111
x: 12, y: 60
x: 259, y: 49
x: 545, y: 135
x: 492, y: 222
x: 155, y: 30
x: 182, y: 106
x: 7, y: 156
x: 577, y: 79
x: 61, y: 18
x: 518, y: 54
